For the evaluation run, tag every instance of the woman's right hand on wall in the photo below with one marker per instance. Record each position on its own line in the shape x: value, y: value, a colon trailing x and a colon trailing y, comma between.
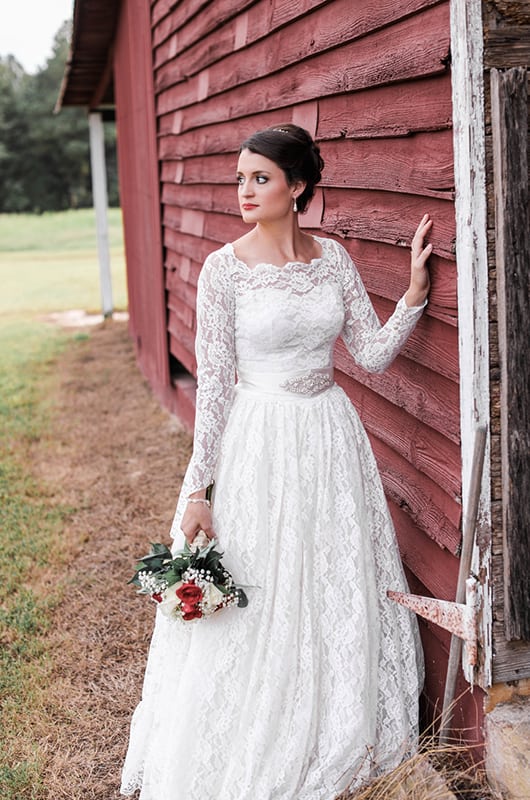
x: 420, y: 281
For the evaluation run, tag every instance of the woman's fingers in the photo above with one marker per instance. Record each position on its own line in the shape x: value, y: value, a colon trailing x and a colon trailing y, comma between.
x: 420, y: 234
x: 419, y: 253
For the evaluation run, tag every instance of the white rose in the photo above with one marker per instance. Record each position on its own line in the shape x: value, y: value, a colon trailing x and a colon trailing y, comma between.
x: 212, y: 596
x: 170, y: 600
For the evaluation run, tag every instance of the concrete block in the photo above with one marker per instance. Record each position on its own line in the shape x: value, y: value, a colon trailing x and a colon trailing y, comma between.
x: 508, y: 749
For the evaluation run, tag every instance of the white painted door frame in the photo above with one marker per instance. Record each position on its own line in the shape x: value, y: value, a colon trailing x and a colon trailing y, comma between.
x: 472, y: 266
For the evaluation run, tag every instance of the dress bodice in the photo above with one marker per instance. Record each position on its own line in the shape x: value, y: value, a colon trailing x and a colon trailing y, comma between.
x: 285, y: 318
x: 279, y: 319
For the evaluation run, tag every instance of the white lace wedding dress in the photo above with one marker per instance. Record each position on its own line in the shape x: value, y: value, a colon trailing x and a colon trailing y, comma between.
x: 316, y: 683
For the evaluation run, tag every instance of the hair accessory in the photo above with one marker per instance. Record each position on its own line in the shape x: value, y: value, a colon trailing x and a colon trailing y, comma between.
x: 295, y: 205
x: 282, y: 130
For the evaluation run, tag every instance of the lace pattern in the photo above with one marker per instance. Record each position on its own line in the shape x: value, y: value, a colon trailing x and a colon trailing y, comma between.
x: 317, y: 680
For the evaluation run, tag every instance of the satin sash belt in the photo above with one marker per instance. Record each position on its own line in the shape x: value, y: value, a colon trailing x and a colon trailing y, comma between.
x: 304, y: 383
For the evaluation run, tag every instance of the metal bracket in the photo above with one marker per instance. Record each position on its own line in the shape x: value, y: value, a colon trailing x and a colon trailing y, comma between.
x: 461, y: 619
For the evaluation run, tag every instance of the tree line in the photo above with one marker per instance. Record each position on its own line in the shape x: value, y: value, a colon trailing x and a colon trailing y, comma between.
x: 45, y: 157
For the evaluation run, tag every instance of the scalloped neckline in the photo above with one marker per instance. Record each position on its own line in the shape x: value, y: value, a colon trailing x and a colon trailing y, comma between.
x: 320, y: 240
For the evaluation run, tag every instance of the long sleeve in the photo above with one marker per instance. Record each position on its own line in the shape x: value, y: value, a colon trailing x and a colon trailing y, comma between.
x: 372, y: 345
x: 214, y: 347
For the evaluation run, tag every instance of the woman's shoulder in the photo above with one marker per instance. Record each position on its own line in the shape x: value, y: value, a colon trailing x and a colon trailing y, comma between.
x: 333, y: 251
x: 220, y: 259
x: 218, y: 267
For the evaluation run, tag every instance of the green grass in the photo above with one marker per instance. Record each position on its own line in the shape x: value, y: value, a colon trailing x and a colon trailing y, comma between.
x: 30, y: 526
x: 56, y: 231
x: 47, y: 263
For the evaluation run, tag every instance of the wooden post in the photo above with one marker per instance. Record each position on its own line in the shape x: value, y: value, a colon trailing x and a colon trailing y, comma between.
x: 472, y: 262
x: 509, y: 100
x: 99, y: 192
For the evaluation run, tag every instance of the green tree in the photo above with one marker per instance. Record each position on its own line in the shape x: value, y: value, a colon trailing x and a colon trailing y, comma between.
x: 44, y: 157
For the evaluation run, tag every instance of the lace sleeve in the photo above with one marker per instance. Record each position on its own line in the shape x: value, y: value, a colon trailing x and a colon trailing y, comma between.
x: 214, y: 347
x: 372, y: 345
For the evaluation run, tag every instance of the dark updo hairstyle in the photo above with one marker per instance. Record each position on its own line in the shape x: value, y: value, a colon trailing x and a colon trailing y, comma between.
x: 294, y: 151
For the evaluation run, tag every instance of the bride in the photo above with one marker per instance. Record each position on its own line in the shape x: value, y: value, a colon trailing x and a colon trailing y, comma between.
x: 314, y: 686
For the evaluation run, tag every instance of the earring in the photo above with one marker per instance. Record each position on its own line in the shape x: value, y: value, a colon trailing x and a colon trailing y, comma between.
x: 295, y: 206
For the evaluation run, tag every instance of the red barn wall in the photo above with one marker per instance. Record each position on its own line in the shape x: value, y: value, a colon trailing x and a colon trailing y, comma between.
x: 140, y: 192
x: 371, y: 80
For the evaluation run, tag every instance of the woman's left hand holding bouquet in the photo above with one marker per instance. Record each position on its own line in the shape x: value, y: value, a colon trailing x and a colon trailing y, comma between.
x: 197, y: 517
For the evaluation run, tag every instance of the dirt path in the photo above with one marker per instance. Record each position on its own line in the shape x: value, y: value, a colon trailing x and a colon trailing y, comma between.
x: 117, y: 459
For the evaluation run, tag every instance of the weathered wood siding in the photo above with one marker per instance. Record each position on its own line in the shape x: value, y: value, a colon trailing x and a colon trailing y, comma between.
x: 507, y: 45
x: 371, y: 80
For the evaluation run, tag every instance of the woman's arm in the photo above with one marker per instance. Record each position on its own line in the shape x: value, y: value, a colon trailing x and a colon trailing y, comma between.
x: 215, y: 351
x: 372, y: 345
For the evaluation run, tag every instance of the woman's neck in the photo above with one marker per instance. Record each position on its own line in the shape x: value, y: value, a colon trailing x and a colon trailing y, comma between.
x: 277, y: 243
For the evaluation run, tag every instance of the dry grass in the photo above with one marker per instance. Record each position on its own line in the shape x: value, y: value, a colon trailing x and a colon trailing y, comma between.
x: 436, y: 772
x: 118, y: 459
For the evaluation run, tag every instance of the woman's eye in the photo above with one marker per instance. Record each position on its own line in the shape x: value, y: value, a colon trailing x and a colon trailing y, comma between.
x: 261, y: 179
x: 240, y: 180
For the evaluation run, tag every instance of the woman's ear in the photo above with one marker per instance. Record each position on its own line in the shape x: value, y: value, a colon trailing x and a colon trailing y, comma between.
x: 298, y: 187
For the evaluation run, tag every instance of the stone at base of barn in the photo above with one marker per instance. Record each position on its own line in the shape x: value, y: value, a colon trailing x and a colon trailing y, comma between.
x: 508, y: 749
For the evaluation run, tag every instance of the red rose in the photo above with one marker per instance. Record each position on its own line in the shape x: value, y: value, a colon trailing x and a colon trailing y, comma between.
x: 190, y: 594
x: 191, y: 612
x: 157, y: 597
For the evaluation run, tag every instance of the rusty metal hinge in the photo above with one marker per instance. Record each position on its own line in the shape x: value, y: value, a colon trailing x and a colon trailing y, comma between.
x: 461, y: 619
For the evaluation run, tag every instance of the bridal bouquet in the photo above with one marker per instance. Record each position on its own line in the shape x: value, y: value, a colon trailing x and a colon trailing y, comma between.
x: 190, y: 585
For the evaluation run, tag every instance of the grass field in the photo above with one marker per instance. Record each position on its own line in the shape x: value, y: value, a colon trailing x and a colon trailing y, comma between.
x: 47, y: 263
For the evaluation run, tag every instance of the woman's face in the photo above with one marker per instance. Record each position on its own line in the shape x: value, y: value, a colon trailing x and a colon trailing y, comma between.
x: 263, y: 192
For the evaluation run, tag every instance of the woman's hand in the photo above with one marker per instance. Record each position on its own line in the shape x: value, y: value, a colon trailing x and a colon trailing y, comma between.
x: 420, y: 281
x: 197, y: 517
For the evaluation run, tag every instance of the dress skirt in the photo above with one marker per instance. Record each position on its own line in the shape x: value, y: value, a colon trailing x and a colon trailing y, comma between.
x: 315, y: 684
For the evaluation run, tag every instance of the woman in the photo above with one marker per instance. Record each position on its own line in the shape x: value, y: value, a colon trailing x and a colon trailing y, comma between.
x: 315, y: 684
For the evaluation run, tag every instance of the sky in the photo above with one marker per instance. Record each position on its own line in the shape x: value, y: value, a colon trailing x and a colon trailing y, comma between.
x: 27, y: 28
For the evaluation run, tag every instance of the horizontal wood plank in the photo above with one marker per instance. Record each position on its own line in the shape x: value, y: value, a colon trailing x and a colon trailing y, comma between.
x: 420, y: 164
x: 429, y: 397
x: 424, y: 448
x: 420, y: 553
x: 222, y: 137
x: 395, y: 110
x: 433, y: 343
x: 186, y: 244
x: 169, y: 16
x: 182, y: 342
x: 428, y: 506
x: 388, y: 217
x: 184, y: 313
x: 507, y: 47
x: 186, y: 291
